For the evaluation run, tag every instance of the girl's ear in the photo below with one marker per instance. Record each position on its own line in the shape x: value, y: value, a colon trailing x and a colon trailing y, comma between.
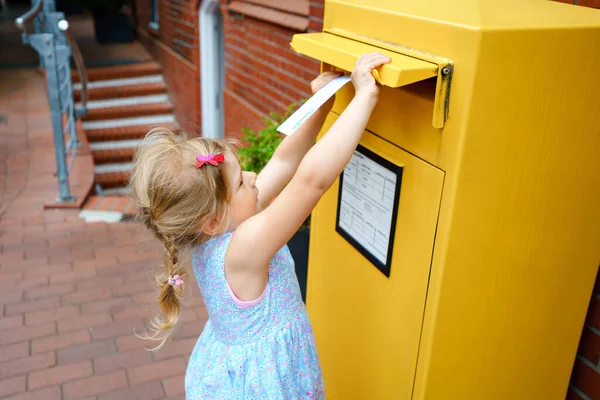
x: 213, y: 227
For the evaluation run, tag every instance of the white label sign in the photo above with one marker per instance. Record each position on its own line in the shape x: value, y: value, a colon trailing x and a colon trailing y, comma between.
x: 366, y: 209
x: 307, y: 109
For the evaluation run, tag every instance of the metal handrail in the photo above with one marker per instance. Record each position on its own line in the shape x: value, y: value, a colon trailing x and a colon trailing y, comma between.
x: 63, y: 25
x: 29, y: 15
x: 55, y: 45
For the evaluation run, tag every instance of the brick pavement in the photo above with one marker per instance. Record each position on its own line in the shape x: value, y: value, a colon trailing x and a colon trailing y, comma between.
x: 71, y: 292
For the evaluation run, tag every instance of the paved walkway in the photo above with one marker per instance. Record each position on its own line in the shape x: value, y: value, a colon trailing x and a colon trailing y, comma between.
x: 71, y: 292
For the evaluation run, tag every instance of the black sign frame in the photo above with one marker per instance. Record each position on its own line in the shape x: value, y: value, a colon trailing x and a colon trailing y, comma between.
x: 386, y: 267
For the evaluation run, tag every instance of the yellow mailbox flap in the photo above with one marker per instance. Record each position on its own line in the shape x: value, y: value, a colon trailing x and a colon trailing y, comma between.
x: 343, y: 52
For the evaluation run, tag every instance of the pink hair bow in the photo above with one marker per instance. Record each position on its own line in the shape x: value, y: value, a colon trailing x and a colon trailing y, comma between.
x: 209, y: 159
x: 175, y: 281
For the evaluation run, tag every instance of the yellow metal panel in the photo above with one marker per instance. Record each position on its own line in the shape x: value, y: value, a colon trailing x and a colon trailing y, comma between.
x: 518, y: 244
x: 484, y: 14
x: 367, y: 325
x: 343, y: 53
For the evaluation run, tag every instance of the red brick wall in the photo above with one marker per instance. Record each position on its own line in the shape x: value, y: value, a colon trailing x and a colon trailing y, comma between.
x: 584, y: 3
x: 585, y: 381
x: 178, y: 20
x: 175, y: 47
x: 262, y: 73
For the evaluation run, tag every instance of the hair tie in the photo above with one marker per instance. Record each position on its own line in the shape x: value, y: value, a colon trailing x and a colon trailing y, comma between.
x: 209, y: 159
x: 175, y: 281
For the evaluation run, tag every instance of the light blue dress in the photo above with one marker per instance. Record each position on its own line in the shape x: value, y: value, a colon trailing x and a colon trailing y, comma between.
x: 252, y: 350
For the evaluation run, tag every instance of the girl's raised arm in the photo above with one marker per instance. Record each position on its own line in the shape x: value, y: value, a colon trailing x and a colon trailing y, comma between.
x: 256, y: 240
x: 286, y: 159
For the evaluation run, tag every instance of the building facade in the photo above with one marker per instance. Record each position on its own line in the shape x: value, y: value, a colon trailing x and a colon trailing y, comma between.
x: 250, y: 48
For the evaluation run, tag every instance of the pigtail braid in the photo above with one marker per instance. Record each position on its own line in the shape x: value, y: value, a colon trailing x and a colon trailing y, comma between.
x: 171, y: 255
x: 168, y: 298
x: 171, y: 290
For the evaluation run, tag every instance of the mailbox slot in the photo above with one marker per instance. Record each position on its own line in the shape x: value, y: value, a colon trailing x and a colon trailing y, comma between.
x: 407, y: 65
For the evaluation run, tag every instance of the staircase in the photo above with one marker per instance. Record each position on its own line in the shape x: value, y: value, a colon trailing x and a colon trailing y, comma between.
x: 125, y: 102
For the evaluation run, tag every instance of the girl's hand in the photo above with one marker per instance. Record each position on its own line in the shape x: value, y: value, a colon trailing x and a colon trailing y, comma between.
x: 362, y: 78
x: 320, y: 81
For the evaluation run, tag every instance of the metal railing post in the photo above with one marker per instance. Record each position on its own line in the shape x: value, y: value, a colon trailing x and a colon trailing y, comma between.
x: 51, y: 60
x: 55, y: 45
x: 45, y: 45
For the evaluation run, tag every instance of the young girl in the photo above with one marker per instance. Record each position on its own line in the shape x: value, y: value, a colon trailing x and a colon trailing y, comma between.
x: 258, y: 341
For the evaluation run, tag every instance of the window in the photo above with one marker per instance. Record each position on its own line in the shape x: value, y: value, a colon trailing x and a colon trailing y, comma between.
x: 153, y: 15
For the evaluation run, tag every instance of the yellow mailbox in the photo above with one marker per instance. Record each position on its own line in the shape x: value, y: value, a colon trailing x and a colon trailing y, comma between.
x: 455, y: 257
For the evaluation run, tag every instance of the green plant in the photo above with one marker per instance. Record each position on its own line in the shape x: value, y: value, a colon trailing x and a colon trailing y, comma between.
x: 260, y: 146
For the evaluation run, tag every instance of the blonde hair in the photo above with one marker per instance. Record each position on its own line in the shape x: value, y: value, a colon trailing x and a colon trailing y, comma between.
x: 177, y: 201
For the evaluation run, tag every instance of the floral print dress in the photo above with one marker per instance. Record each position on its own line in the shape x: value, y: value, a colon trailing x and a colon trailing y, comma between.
x: 263, y: 349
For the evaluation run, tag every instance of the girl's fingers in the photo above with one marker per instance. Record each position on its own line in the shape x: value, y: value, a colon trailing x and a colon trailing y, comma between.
x: 330, y: 75
x: 361, y: 58
x: 323, y: 79
x: 370, y: 56
x: 326, y: 74
x: 377, y: 58
x: 374, y: 65
x: 377, y: 63
x: 369, y: 60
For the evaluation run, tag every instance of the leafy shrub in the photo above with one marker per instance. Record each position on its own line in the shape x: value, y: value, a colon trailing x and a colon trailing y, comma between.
x: 259, y: 146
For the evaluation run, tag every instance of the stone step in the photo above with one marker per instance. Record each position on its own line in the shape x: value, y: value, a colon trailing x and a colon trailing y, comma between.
x: 120, y: 71
x: 112, y: 92
x: 125, y: 132
x: 127, y: 101
x: 128, y: 111
x: 119, y: 123
x: 109, y: 203
x: 113, y: 175
x: 113, y: 155
x: 114, y: 151
x: 120, y: 82
x: 121, y: 191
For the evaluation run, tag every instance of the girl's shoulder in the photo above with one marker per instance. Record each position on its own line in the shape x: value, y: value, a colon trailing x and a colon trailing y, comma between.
x: 214, y: 245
